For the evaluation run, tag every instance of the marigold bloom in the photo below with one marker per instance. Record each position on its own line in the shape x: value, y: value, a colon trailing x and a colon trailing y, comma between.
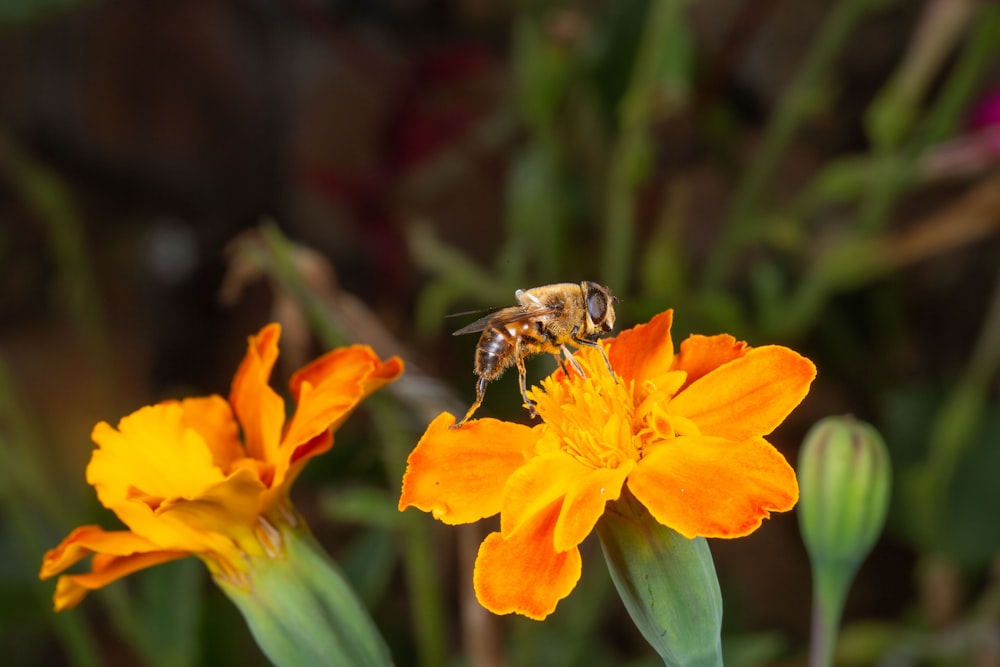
x: 210, y: 477
x: 683, y: 432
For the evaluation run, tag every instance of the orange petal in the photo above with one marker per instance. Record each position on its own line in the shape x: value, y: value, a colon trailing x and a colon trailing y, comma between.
x: 579, y: 490
x: 749, y: 396
x: 644, y: 351
x: 327, y: 389
x: 87, y: 540
x: 72, y: 588
x: 523, y: 574
x: 714, y: 487
x: 459, y: 474
x: 584, y: 504
x: 117, y: 553
x: 260, y: 411
x: 699, y: 355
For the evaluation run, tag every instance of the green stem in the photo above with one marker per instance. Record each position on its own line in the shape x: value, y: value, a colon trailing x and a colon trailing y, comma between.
x: 830, y: 584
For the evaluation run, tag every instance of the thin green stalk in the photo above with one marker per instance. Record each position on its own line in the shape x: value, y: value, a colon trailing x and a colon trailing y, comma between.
x: 830, y: 586
x: 418, y: 549
x: 630, y: 156
x: 796, y: 103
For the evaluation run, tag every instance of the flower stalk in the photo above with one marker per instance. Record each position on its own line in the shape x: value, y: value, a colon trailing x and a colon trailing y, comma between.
x: 667, y: 582
x: 300, y: 608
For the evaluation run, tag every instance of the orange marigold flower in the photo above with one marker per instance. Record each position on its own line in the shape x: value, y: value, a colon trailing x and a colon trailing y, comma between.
x: 683, y: 432
x: 210, y: 477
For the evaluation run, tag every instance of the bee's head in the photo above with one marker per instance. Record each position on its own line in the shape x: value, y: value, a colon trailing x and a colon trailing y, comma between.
x: 600, y: 307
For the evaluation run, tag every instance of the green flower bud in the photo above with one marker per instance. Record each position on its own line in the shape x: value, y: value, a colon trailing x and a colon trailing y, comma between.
x: 667, y: 582
x: 300, y: 609
x: 844, y: 483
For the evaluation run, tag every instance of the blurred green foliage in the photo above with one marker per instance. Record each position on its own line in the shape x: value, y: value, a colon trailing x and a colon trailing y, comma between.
x: 602, y: 96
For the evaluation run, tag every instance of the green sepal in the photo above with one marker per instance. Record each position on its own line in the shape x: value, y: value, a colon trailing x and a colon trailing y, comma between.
x: 667, y: 582
x: 302, y: 611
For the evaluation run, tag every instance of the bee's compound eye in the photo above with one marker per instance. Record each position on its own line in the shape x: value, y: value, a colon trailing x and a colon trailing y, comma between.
x: 597, y: 305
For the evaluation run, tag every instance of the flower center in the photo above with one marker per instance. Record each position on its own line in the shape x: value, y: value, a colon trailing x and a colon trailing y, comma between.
x: 588, y: 417
x: 602, y: 421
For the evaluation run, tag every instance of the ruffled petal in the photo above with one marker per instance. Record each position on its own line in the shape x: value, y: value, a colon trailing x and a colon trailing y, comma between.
x: 152, y: 456
x: 213, y: 419
x: 749, y: 396
x: 259, y: 409
x: 522, y: 573
x: 117, y: 554
x: 216, y: 520
x: 700, y: 355
x: 72, y: 588
x: 713, y: 487
x: 459, y: 474
x: 328, y: 389
x: 644, y: 351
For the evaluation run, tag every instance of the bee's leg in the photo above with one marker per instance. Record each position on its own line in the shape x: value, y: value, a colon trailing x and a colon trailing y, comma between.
x: 572, y: 362
x: 583, y: 342
x: 522, y: 379
x: 480, y: 394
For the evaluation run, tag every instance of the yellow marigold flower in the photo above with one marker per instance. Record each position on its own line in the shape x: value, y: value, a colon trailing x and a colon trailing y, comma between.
x: 683, y: 433
x: 207, y: 476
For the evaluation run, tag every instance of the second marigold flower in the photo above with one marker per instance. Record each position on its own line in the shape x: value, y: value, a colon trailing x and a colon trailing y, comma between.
x: 683, y: 432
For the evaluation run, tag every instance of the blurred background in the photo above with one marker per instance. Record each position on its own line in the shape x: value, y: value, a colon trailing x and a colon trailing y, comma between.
x: 817, y: 173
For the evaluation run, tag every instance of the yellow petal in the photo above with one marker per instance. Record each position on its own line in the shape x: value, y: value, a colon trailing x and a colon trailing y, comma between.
x: 213, y: 419
x: 151, y: 455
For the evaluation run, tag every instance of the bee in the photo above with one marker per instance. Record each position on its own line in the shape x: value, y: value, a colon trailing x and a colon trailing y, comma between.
x: 546, y: 319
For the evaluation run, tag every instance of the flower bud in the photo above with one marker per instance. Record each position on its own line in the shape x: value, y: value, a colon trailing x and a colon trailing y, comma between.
x: 667, y: 582
x: 844, y: 483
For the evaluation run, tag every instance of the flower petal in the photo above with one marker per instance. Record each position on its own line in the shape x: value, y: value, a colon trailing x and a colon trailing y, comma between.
x: 644, y: 351
x: 748, y: 481
x: 699, y: 355
x: 260, y: 410
x: 117, y: 554
x: 214, y: 521
x: 329, y: 388
x: 213, y: 419
x: 585, y: 502
x: 749, y: 396
x: 536, y: 485
x: 151, y: 455
x: 459, y: 474
x: 523, y: 574
x: 72, y: 588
